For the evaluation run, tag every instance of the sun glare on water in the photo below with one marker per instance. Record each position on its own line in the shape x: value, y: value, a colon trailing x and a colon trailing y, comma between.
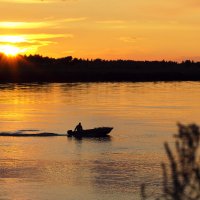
x: 9, y: 50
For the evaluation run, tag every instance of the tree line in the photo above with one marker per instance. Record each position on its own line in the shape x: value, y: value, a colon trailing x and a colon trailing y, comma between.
x: 37, y: 68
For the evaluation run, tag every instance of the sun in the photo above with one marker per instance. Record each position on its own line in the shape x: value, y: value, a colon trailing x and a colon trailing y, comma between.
x: 10, y: 50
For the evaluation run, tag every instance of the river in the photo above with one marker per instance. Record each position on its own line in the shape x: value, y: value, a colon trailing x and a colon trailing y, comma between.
x: 144, y: 115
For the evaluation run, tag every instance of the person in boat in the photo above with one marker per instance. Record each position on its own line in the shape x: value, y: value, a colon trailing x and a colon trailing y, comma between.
x: 79, y: 127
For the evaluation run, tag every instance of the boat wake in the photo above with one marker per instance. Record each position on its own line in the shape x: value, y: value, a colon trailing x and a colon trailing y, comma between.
x: 30, y: 133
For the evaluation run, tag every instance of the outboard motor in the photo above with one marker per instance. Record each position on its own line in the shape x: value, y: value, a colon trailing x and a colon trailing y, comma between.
x: 69, y: 133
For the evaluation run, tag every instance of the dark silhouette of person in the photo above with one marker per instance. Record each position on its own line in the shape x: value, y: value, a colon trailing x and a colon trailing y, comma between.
x: 79, y: 127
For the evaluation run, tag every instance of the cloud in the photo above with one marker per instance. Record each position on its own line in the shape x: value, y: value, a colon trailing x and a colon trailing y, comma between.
x: 111, y: 22
x: 189, y: 4
x: 75, y: 19
x: 35, y: 1
x: 29, y: 43
x: 128, y: 39
x: 23, y: 25
x: 31, y: 37
x: 11, y: 39
x: 38, y: 24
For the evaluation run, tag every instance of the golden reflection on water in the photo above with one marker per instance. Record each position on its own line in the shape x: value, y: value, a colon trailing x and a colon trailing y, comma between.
x: 143, y: 115
x: 138, y: 101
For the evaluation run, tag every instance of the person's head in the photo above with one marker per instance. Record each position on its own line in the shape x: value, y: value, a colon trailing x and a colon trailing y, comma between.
x: 79, y: 123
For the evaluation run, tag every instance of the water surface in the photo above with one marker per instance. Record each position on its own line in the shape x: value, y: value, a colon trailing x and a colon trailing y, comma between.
x: 143, y: 115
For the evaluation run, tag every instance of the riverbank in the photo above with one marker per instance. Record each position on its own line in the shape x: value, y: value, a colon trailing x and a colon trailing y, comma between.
x: 44, y: 69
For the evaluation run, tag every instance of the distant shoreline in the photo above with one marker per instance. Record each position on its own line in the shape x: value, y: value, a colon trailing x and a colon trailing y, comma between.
x: 43, y: 69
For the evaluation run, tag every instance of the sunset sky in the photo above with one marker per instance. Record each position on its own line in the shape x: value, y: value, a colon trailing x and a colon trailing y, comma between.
x: 108, y: 29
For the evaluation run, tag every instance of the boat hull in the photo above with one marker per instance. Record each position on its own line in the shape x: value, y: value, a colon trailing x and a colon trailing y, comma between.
x: 96, y: 132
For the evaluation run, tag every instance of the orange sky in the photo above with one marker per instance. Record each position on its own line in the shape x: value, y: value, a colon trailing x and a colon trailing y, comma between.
x: 109, y: 29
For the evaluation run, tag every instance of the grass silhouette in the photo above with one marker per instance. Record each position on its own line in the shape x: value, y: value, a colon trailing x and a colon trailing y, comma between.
x: 181, y: 178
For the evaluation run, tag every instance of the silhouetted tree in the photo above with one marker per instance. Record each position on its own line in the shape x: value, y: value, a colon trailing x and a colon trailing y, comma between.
x: 181, y: 179
x: 45, y: 69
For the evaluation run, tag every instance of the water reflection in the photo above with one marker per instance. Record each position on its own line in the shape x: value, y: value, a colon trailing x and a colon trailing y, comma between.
x: 107, y: 138
x: 143, y: 115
